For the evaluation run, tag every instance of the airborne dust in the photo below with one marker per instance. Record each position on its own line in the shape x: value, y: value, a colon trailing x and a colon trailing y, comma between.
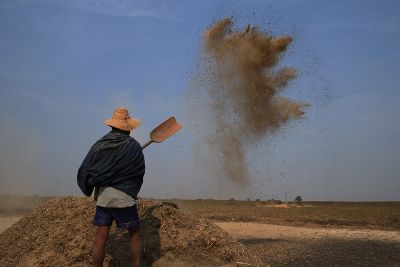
x: 239, y: 87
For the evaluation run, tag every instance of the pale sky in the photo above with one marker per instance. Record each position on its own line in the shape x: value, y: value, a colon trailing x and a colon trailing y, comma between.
x: 65, y: 65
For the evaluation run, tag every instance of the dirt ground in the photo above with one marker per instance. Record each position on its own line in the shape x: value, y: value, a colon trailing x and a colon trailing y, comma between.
x: 61, y: 233
x: 326, y: 252
x: 366, y: 215
x: 279, y: 244
x: 304, y: 246
x: 242, y: 230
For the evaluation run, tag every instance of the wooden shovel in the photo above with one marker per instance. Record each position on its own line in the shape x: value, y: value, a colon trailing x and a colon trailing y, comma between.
x: 163, y: 131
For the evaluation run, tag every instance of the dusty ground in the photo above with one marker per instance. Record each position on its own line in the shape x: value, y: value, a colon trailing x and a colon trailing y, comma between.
x: 243, y: 230
x: 381, y: 215
x: 304, y: 246
x: 326, y: 252
x: 313, y: 234
x: 61, y: 233
x: 285, y: 243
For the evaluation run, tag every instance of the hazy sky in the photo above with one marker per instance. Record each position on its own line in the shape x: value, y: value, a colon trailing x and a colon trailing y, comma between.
x: 65, y: 65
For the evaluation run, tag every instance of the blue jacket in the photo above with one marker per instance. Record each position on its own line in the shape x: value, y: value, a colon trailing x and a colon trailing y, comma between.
x: 116, y: 160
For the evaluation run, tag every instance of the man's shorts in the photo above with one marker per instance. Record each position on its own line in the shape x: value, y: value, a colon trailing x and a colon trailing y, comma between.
x: 125, y: 218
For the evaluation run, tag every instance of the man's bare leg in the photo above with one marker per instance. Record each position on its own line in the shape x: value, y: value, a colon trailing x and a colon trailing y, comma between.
x: 100, y: 245
x: 136, y: 246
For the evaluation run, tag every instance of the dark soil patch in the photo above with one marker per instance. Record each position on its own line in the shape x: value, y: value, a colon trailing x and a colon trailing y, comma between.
x: 326, y: 252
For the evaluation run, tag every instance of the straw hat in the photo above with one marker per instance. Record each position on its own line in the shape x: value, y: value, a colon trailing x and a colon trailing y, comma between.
x: 121, y: 120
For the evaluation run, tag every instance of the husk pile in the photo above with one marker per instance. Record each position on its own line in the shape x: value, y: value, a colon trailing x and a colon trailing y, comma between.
x: 60, y: 233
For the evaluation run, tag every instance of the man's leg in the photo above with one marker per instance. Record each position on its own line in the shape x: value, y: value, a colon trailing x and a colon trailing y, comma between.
x: 136, y: 246
x: 100, y: 245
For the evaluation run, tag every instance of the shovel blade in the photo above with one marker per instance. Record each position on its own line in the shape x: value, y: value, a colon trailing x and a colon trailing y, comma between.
x: 165, y: 130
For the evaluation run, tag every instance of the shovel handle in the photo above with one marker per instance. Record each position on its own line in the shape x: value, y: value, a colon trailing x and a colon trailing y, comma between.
x: 146, y: 144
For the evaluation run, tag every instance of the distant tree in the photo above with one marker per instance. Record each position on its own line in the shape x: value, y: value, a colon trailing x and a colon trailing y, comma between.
x: 298, y: 199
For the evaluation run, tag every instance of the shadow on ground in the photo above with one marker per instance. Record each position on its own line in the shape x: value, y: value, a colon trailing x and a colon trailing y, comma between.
x: 326, y: 252
x: 118, y: 243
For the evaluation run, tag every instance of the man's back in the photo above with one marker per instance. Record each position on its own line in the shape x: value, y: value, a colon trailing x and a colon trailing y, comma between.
x: 116, y: 160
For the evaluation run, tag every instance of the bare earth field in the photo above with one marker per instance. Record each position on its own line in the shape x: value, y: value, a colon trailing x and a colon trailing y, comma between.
x: 315, y: 234
x: 317, y: 246
x: 244, y: 230
x: 381, y: 215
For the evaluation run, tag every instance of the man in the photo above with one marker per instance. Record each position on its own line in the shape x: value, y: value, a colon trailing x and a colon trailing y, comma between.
x: 115, y: 167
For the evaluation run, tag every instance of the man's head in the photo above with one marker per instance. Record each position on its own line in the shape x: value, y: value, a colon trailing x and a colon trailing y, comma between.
x: 122, y: 120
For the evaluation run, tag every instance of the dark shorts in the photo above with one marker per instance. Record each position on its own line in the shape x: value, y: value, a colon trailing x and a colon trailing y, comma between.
x: 125, y: 218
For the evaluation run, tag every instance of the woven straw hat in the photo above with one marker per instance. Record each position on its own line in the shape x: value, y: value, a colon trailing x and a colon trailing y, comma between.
x: 121, y: 120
